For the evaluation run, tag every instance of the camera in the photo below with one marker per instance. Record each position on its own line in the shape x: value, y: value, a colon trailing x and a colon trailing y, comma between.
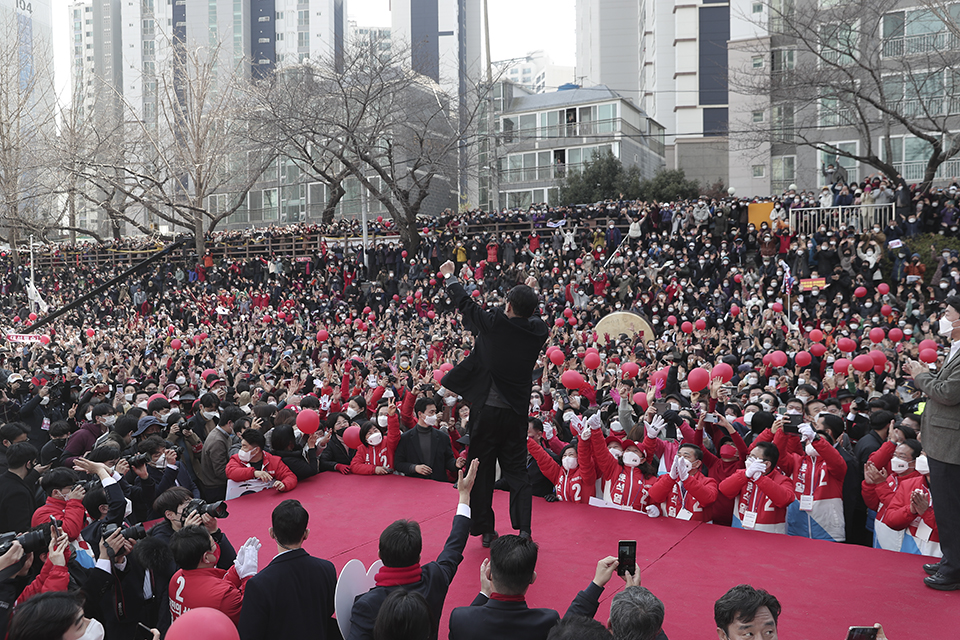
x: 138, y: 460
x: 216, y: 509
x: 31, y: 541
x: 177, y: 449
x: 136, y: 532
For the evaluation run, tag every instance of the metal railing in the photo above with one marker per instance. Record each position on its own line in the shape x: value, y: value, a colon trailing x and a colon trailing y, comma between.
x: 860, y: 217
x: 539, y: 174
x: 915, y: 171
x: 923, y: 43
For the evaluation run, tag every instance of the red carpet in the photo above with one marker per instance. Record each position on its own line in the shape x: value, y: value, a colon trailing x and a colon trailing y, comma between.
x: 823, y: 587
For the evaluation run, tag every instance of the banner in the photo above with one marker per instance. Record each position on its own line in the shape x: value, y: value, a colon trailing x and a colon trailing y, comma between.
x: 806, y: 284
x: 304, y: 259
x: 24, y: 337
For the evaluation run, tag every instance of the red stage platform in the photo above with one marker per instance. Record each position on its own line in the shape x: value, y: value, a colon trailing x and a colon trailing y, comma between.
x: 823, y: 587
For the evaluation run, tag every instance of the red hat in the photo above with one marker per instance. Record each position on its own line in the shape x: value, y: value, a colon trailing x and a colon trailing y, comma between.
x: 611, y: 439
x: 627, y: 443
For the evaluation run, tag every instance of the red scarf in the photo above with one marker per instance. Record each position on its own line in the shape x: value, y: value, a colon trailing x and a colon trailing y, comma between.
x: 396, y: 576
x: 503, y: 598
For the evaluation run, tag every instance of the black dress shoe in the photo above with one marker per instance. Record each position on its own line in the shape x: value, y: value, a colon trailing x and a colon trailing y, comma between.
x: 941, y: 583
x: 526, y: 534
x: 488, y: 539
x: 931, y: 569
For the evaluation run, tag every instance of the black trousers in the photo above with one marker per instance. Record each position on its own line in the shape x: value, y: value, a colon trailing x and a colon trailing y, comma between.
x: 945, y: 490
x: 499, y: 435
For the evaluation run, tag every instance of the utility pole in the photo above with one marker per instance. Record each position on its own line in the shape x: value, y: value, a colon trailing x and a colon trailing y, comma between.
x: 33, y: 283
x: 494, y: 182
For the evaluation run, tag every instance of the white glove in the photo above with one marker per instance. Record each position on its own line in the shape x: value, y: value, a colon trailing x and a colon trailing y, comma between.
x: 247, y: 558
x: 325, y: 402
x: 756, y: 469
x: 548, y: 431
x: 594, y: 421
x: 684, y: 471
x: 807, y: 434
x: 585, y: 433
x: 655, y: 427
x: 653, y: 511
x: 675, y: 468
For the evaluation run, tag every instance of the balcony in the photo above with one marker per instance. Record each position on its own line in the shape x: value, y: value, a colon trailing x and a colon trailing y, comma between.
x: 914, y: 171
x: 924, y: 43
x: 538, y: 174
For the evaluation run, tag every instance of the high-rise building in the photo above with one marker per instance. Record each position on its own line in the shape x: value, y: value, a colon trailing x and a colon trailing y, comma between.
x: 537, y: 73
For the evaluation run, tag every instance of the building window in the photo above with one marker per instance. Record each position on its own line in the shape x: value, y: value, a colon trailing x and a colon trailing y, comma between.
x: 759, y: 171
x: 303, y: 39
x: 782, y: 172
x: 758, y: 7
x: 758, y: 116
x: 303, y: 18
x: 757, y: 62
x: 783, y: 128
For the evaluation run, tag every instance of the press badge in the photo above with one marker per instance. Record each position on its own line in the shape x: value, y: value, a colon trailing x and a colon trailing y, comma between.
x: 749, y: 520
x: 806, y: 502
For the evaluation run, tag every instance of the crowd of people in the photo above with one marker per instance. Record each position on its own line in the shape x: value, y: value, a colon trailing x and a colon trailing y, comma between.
x: 749, y: 405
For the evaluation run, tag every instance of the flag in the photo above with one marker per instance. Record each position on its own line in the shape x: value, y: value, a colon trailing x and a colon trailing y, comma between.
x: 788, y: 279
x: 34, y: 296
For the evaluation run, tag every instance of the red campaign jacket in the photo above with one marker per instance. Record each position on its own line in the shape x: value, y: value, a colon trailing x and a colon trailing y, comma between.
x: 827, y: 470
x: 72, y: 513
x: 898, y: 515
x: 882, y: 456
x: 878, y: 496
x: 571, y: 486
x: 622, y: 485
x: 52, y: 577
x: 239, y: 471
x: 213, y: 588
x: 696, y: 495
x: 368, y: 458
x: 768, y: 496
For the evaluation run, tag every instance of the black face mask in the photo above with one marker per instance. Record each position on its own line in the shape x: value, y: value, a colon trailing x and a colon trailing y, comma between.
x: 340, y: 432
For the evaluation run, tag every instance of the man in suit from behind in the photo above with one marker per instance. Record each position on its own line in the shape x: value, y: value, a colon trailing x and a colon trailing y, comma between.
x: 425, y: 451
x: 501, y: 611
x: 941, y: 443
x: 400, y: 547
x: 496, y: 379
x: 292, y: 597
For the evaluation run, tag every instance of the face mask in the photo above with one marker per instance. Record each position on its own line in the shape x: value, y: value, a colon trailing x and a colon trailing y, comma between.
x: 89, y: 416
x: 946, y: 327
x: 748, y: 417
x: 374, y: 438
x: 210, y: 415
x: 351, y: 412
x: 898, y: 465
x: 110, y: 420
x: 616, y: 453
x: 675, y: 406
x: 161, y: 462
x: 616, y: 427
x: 811, y: 451
x: 142, y: 405
x: 430, y: 420
x: 450, y: 401
x: 570, y: 463
x: 383, y: 420
x: 631, y: 459
x: 685, y: 393
x: 752, y: 380
x: 128, y: 397
x: 163, y: 416
x: 765, y: 406
x: 767, y: 345
x: 245, y: 456
x: 94, y: 631
x: 923, y: 465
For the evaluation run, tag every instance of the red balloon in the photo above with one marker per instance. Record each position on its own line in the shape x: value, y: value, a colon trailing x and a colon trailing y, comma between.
x: 671, y: 319
x: 895, y: 334
x: 698, y: 379
x: 568, y: 312
x: 175, y: 344
x: 928, y: 344
x: 846, y: 345
x: 557, y: 357
x: 204, y: 336
x: 433, y: 281
x: 778, y: 307
x: 396, y: 297
x: 630, y: 369
x: 446, y: 366
x: 476, y: 293
x: 818, y: 350
x: 659, y: 375
x: 44, y: 339
x: 928, y: 355
x: 700, y: 324
x: 437, y: 375
x: 841, y: 366
x: 863, y: 363
x: 308, y: 421
x: 267, y: 319
x: 815, y: 335
x: 281, y: 315
x: 738, y: 278
x: 641, y: 399
x: 418, y: 295
x: 363, y: 326
x: 883, y: 288
x: 591, y: 350
x: 403, y: 254
x: 877, y: 335
x: 558, y: 322
x: 734, y: 310
x: 686, y: 327
x: 32, y: 317
x: 571, y: 379
x: 171, y: 330
x: 16, y: 318
x: 365, y: 310
x: 766, y: 359
x: 431, y: 314
x: 379, y: 219
x: 591, y: 361
x: 778, y: 359
x: 860, y: 292
x: 351, y: 437
x: 885, y: 310
x: 215, y: 625
x: 579, y: 261
x: 409, y: 299
x: 722, y: 371
x: 573, y: 321
x: 90, y: 333
x: 322, y: 335
x: 878, y: 357
x: 426, y: 230
x: 802, y: 358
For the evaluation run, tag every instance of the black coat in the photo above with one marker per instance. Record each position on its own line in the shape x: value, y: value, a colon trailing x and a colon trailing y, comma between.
x: 290, y: 598
x: 505, y: 352
x: 335, y: 453
x: 507, y: 620
x: 408, y: 455
x: 16, y: 502
x: 435, y: 581
x: 301, y: 467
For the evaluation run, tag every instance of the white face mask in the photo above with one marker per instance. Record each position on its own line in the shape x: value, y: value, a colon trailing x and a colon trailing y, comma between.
x: 374, y: 438
x: 181, y: 380
x: 430, y: 420
x: 898, y: 465
x: 383, y: 420
x: 946, y: 327
x: 94, y: 631
x: 631, y: 459
x: 450, y: 401
x: 142, y: 405
x: 110, y: 420
x: 748, y: 417
x: 685, y: 393
x: 811, y: 451
x: 245, y: 456
x: 210, y: 415
x: 161, y: 462
x: 923, y: 465
x: 128, y: 397
x: 89, y: 416
x: 616, y: 426
x: 675, y: 406
x: 616, y: 453
x: 351, y: 412
x: 570, y: 463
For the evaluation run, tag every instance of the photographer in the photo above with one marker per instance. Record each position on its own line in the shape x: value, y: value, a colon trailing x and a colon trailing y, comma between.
x: 180, y: 433
x: 164, y: 467
x: 64, y: 501
x: 21, y: 582
x: 33, y: 402
x: 180, y: 509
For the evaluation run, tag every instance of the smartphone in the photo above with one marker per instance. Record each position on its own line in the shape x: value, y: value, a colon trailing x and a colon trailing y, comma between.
x: 710, y: 417
x: 627, y: 557
x: 792, y: 422
x: 143, y: 632
x: 661, y: 406
x: 782, y: 410
x: 862, y: 633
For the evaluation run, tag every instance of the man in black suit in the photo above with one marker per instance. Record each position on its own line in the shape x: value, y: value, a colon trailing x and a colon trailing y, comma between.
x: 496, y: 379
x: 501, y: 611
x: 425, y: 451
x: 400, y: 546
x: 18, y: 485
x: 293, y: 596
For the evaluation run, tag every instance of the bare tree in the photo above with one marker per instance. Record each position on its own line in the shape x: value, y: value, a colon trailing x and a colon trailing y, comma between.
x: 861, y: 70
